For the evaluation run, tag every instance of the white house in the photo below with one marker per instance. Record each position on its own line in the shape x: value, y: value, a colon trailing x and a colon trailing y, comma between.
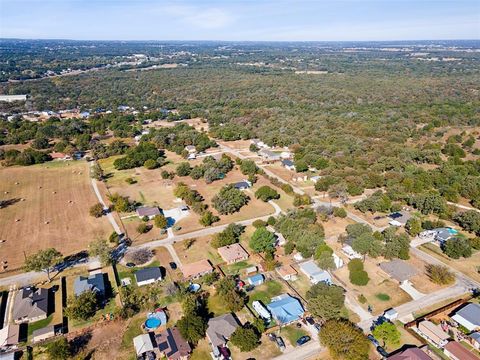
x: 288, y: 164
x: 351, y: 254
x: 314, y: 273
x: 469, y: 317
x: 148, y: 276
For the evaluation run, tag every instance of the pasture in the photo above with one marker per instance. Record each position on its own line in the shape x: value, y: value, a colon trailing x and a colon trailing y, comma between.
x: 49, y: 207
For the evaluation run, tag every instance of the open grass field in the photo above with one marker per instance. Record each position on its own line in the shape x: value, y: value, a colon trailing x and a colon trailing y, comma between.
x: 199, y: 250
x: 467, y: 266
x: 57, y: 196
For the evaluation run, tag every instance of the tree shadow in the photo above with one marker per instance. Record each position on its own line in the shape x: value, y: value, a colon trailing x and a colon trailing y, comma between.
x: 8, y: 202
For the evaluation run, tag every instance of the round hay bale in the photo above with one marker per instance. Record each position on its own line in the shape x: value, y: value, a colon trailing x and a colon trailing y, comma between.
x: 47, y: 222
x: 17, y: 183
x: 54, y: 192
x: 5, y: 192
x: 17, y: 220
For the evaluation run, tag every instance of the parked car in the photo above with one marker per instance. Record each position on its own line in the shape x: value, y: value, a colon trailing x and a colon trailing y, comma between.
x: 130, y: 265
x: 280, y: 343
x: 317, y: 326
x: 272, y: 337
x: 382, y: 351
x: 373, y: 340
x: 173, y: 265
x: 310, y: 320
x: 303, y: 340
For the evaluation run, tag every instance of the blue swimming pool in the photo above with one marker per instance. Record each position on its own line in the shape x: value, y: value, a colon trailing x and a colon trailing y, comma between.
x: 152, y: 323
x: 452, y: 231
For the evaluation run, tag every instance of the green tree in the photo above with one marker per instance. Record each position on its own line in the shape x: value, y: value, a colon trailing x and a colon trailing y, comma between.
x: 43, y: 260
x: 59, y: 349
x: 339, y: 212
x: 457, y: 247
x: 266, y: 193
x: 326, y: 261
x: 97, y: 172
x: 367, y: 244
x: 96, y: 210
x: 192, y: 327
x: 262, y: 240
x: 229, y: 236
x: 227, y: 291
x: 101, y: 249
x: 358, y: 276
x: 344, y: 340
x: 143, y: 228
x: 388, y: 333
x: 248, y: 167
x: 326, y: 301
x: 413, y: 226
x: 229, y: 200
x: 82, y: 307
x: 183, y: 169
x: 245, y: 338
x: 160, y: 221
x: 208, y: 218
x: 469, y: 221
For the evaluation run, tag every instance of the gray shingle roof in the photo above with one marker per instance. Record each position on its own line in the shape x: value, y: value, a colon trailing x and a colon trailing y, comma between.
x: 221, y: 328
x: 92, y: 283
x: 151, y: 273
x: 471, y: 313
x: 30, y: 303
x: 398, y: 269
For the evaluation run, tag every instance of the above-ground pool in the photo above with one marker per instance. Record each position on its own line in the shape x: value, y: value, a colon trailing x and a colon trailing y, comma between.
x: 155, y: 319
x: 193, y: 288
x: 152, y: 323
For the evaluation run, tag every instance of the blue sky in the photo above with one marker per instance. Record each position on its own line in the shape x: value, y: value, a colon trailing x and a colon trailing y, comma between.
x: 288, y: 20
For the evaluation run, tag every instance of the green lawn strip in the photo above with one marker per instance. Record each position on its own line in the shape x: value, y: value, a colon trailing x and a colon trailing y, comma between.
x: 217, y: 305
x: 265, y: 292
x: 235, y: 268
x: 39, y: 324
x: 292, y: 333
x: 133, y: 329
x: 382, y: 297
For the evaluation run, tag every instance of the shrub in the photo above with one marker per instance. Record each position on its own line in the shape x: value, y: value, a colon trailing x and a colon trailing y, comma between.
x: 143, y: 228
x: 382, y: 297
x: 208, y: 218
x: 259, y: 223
x: 160, y: 221
x: 289, y: 247
x: 150, y: 164
x: 475, y: 243
x: 362, y: 299
x: 358, y: 276
x: 339, y: 212
x: 130, y: 181
x: 96, y: 210
x: 271, y: 221
x: 183, y: 169
x: 245, y: 338
x: 440, y: 274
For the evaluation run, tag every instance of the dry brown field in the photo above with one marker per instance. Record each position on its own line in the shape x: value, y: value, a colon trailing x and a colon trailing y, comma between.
x: 55, y: 212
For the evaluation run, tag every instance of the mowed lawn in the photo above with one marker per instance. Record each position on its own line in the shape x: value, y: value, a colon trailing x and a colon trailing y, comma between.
x: 54, y: 213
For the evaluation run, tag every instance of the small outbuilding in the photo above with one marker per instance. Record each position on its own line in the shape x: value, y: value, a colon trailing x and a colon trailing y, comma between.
x: 143, y: 344
x: 390, y: 314
x: 288, y: 164
x: 243, y: 185
x: 287, y: 272
x: 256, y: 280
x: 44, y: 333
x: 314, y: 273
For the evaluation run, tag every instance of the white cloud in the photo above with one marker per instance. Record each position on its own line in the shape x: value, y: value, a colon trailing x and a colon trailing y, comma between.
x: 206, y: 18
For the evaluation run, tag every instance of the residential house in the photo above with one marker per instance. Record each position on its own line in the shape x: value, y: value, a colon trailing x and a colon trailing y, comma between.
x: 197, y: 269
x: 44, y: 333
x: 433, y: 333
x: 191, y: 149
x: 468, y: 316
x: 444, y: 234
x: 172, y: 345
x: 256, y: 280
x: 220, y: 329
x: 31, y: 305
x: 288, y: 164
x: 456, y: 351
x: 286, y: 155
x: 243, y: 185
x: 351, y: 254
x: 399, y: 218
x: 475, y: 340
x: 148, y: 275
x: 144, y: 344
x: 413, y: 353
x: 95, y: 283
x: 259, y: 144
x: 287, y: 272
x: 269, y: 156
x: 9, y: 335
x: 233, y: 253
x: 285, y: 309
x: 398, y: 269
x: 315, y: 178
x: 314, y: 273
x: 60, y: 156
x: 148, y: 211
